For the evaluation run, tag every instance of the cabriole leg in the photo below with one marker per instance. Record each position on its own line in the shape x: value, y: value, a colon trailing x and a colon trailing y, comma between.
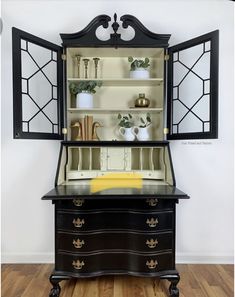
x: 55, y: 291
x: 174, y: 280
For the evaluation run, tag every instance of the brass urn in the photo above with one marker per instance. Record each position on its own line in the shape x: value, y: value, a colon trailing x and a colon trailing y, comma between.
x: 142, y: 101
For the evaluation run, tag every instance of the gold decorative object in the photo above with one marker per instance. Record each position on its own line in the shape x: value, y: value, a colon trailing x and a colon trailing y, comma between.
x: 78, y: 202
x: 78, y: 126
x: 78, y: 264
x: 86, y: 61
x: 78, y: 60
x: 78, y: 222
x: 96, y: 61
x: 94, y: 130
x: 142, y: 101
x: 152, y: 222
x: 152, y: 264
x: 152, y: 243
x: 152, y: 201
x: 78, y: 243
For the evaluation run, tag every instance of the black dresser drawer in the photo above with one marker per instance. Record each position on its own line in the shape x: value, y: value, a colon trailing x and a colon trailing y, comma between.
x: 100, y: 220
x: 114, y: 262
x: 140, y: 204
x: 114, y: 240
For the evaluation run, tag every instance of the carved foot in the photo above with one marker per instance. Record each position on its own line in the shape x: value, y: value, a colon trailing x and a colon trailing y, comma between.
x: 174, y: 291
x: 174, y: 280
x: 55, y: 291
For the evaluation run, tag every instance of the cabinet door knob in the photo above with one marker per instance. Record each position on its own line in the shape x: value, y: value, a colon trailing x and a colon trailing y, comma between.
x: 152, y: 201
x: 151, y: 243
x: 78, y: 202
x: 152, y: 264
x: 78, y: 264
x: 152, y: 222
x: 78, y: 222
x: 78, y: 243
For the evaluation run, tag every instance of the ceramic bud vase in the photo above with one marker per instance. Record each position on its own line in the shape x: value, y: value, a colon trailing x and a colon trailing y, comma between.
x: 127, y: 133
x: 139, y: 73
x: 142, y: 133
x: 84, y: 100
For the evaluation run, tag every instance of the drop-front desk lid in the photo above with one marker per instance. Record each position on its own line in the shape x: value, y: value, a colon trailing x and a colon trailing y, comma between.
x: 86, y: 189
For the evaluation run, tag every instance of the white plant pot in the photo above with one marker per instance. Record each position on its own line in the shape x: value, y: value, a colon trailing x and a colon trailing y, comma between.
x: 84, y: 100
x: 127, y: 133
x: 139, y: 73
x: 142, y: 133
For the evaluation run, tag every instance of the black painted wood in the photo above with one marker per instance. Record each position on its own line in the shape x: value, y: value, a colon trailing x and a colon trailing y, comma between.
x: 125, y: 241
x: 115, y: 261
x: 116, y: 143
x: 66, y: 192
x: 87, y: 37
x: 213, y: 37
x: 108, y: 220
x: 104, y: 204
x: 17, y: 36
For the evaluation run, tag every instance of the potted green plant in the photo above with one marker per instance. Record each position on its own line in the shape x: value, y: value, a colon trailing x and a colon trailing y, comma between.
x: 84, y: 91
x: 139, y: 68
x: 126, y: 126
x: 142, y: 131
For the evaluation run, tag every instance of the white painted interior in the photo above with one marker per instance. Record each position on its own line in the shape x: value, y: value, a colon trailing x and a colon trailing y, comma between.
x: 204, y: 169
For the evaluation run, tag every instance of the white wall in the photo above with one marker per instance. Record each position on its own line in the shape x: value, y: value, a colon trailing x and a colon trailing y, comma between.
x: 204, y: 171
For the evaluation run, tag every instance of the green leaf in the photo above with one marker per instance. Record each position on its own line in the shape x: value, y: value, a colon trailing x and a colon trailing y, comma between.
x: 130, y: 116
x: 141, y: 119
x: 119, y: 116
x: 130, y: 59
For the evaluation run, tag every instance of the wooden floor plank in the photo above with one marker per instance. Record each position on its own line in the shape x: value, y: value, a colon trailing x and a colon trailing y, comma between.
x: 23, y: 280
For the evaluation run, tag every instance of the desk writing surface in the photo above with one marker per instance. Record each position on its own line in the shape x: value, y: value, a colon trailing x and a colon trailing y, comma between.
x: 83, y: 189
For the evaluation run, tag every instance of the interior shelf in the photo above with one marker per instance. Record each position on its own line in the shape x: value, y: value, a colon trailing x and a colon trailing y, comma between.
x: 114, y: 110
x: 122, y: 82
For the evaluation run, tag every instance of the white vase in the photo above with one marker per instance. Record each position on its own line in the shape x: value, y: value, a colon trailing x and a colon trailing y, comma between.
x: 127, y: 133
x: 84, y: 100
x: 139, y: 73
x: 142, y: 133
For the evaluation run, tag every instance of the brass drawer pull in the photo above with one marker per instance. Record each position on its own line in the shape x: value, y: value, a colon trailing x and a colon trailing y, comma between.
x: 152, y: 222
x: 78, y: 264
x: 78, y: 202
x: 78, y: 243
x: 152, y: 201
x: 78, y: 222
x: 152, y: 264
x: 152, y: 243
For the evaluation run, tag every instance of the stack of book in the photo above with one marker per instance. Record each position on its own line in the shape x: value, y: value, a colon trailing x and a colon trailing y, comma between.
x: 87, y: 123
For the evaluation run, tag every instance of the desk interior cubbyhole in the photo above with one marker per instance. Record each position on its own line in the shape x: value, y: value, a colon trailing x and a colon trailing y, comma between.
x: 84, y: 158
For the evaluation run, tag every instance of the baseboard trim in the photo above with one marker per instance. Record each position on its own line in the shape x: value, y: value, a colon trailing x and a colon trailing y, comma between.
x: 188, y: 258
x: 28, y: 258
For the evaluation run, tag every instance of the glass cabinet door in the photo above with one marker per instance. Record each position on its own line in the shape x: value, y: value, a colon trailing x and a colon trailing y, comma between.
x: 37, y: 87
x: 192, y: 107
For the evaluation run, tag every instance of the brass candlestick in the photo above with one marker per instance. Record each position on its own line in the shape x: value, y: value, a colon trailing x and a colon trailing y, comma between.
x: 86, y: 61
x: 78, y: 60
x: 96, y: 61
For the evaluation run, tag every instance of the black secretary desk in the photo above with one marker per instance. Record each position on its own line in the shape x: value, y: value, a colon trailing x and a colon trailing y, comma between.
x: 115, y: 200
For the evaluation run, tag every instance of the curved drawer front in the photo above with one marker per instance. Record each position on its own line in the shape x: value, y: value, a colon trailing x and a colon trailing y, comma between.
x: 96, y: 241
x: 84, y: 221
x: 103, y: 262
x: 140, y: 204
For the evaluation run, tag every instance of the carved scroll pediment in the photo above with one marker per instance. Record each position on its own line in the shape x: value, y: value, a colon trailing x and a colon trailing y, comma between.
x: 142, y: 37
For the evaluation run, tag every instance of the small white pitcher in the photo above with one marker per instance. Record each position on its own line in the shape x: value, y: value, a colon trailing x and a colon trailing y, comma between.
x: 127, y: 133
x: 141, y: 133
